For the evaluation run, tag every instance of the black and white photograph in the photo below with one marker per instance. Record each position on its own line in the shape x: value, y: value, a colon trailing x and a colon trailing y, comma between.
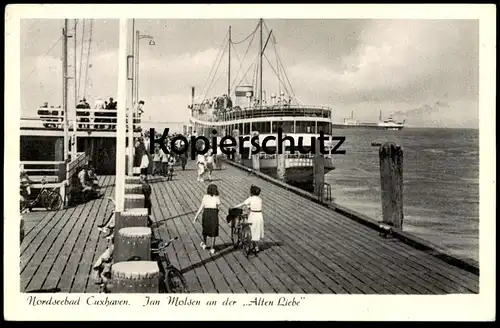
x: 250, y: 155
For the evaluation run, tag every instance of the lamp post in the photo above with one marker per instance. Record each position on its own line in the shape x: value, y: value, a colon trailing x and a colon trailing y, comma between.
x: 138, y: 37
x: 135, y: 92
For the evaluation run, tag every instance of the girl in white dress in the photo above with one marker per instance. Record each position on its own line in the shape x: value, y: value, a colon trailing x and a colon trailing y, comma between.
x: 209, y: 164
x: 254, y: 203
x: 201, y: 166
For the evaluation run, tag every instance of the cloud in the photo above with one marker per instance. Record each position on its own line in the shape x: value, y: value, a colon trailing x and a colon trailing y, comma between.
x: 399, y: 60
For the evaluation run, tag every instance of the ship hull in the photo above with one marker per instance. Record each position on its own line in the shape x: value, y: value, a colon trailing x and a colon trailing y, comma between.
x: 362, y: 126
x: 298, y: 176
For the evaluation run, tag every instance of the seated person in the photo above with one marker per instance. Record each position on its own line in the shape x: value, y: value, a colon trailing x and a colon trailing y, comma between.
x: 25, y: 188
x: 88, y: 189
x: 108, y: 227
x: 102, y: 267
x: 146, y: 191
x: 93, y: 178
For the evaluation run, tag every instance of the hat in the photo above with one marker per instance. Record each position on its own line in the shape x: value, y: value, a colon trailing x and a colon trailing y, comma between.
x: 141, y: 102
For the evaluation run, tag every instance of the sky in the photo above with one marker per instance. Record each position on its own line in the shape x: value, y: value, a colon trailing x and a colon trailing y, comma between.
x: 423, y: 71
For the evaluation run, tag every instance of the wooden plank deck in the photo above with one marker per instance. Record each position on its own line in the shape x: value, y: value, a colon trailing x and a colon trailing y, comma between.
x: 58, y: 249
x: 307, y: 247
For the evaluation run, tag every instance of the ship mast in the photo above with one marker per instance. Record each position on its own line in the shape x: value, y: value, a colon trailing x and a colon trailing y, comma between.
x: 65, y: 87
x: 74, y: 143
x: 229, y: 66
x: 260, y: 67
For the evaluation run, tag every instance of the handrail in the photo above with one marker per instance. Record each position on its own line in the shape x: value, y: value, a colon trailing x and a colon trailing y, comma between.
x: 265, y: 112
x: 37, y: 170
x: 95, y: 119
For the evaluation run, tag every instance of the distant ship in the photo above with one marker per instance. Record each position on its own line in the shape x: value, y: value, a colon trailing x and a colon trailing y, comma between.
x: 388, y: 124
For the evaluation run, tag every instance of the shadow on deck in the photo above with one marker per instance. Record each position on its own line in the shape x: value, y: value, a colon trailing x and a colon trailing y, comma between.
x: 307, y: 247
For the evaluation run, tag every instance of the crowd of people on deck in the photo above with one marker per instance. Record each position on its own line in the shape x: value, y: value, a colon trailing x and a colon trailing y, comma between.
x: 223, y: 104
x: 108, y: 120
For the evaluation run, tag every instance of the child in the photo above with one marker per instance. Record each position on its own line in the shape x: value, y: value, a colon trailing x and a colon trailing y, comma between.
x: 164, y: 163
x: 144, y: 162
x: 210, y: 164
x: 102, y: 267
x: 170, y: 167
x: 157, y: 161
x: 254, y: 203
x: 201, y: 166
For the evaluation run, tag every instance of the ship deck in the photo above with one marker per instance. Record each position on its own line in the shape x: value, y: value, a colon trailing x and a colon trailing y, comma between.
x: 307, y: 247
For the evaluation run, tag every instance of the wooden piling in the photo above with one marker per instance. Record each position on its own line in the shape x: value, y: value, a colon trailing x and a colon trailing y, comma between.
x: 135, y: 277
x: 133, y: 189
x: 255, y: 157
x: 318, y: 170
x: 391, y: 181
x: 133, y: 241
x: 134, y: 201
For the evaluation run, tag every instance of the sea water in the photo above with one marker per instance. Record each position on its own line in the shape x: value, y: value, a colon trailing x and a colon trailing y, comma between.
x: 441, y: 182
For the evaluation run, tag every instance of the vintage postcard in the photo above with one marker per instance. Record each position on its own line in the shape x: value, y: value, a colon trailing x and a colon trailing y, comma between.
x: 250, y: 162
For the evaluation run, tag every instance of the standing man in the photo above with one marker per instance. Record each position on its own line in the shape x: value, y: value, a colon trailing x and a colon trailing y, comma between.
x: 164, y: 163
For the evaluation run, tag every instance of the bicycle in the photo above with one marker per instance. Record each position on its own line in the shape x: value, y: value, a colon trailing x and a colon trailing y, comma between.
x: 173, y: 278
x: 241, y: 236
x: 50, y: 199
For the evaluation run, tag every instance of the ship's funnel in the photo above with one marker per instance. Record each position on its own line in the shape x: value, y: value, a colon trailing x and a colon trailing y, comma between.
x: 244, y: 95
x: 242, y: 91
x: 192, y: 96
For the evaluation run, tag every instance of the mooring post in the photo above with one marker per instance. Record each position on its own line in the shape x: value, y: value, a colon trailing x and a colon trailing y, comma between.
x: 318, y: 169
x: 135, y: 277
x: 133, y: 189
x: 134, y: 201
x: 255, y: 157
x: 281, y: 167
x: 132, y: 180
x: 391, y: 181
x: 133, y: 242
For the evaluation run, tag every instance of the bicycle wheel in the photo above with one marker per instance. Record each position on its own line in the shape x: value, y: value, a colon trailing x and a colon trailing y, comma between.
x: 51, y: 200
x: 175, y: 282
x: 234, y: 236
x: 246, y: 240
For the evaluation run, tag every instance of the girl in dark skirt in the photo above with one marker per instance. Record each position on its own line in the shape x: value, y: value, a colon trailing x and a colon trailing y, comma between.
x: 210, y: 219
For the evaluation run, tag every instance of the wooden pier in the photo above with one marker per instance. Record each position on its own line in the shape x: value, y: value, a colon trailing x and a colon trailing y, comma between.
x: 308, y: 248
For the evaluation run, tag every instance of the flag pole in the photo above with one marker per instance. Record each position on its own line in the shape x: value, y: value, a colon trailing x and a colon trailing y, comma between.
x: 121, y: 117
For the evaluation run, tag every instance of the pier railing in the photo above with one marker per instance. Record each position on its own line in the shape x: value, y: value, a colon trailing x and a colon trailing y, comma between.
x: 50, y: 171
x: 86, y: 119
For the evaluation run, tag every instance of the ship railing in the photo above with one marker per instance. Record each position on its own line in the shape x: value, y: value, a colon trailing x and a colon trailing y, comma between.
x: 236, y: 113
x: 55, y: 174
x: 50, y: 171
x: 86, y: 119
x: 288, y: 155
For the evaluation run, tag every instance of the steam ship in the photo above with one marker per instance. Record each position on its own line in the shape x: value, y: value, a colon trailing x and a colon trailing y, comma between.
x: 388, y: 124
x: 247, y: 109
